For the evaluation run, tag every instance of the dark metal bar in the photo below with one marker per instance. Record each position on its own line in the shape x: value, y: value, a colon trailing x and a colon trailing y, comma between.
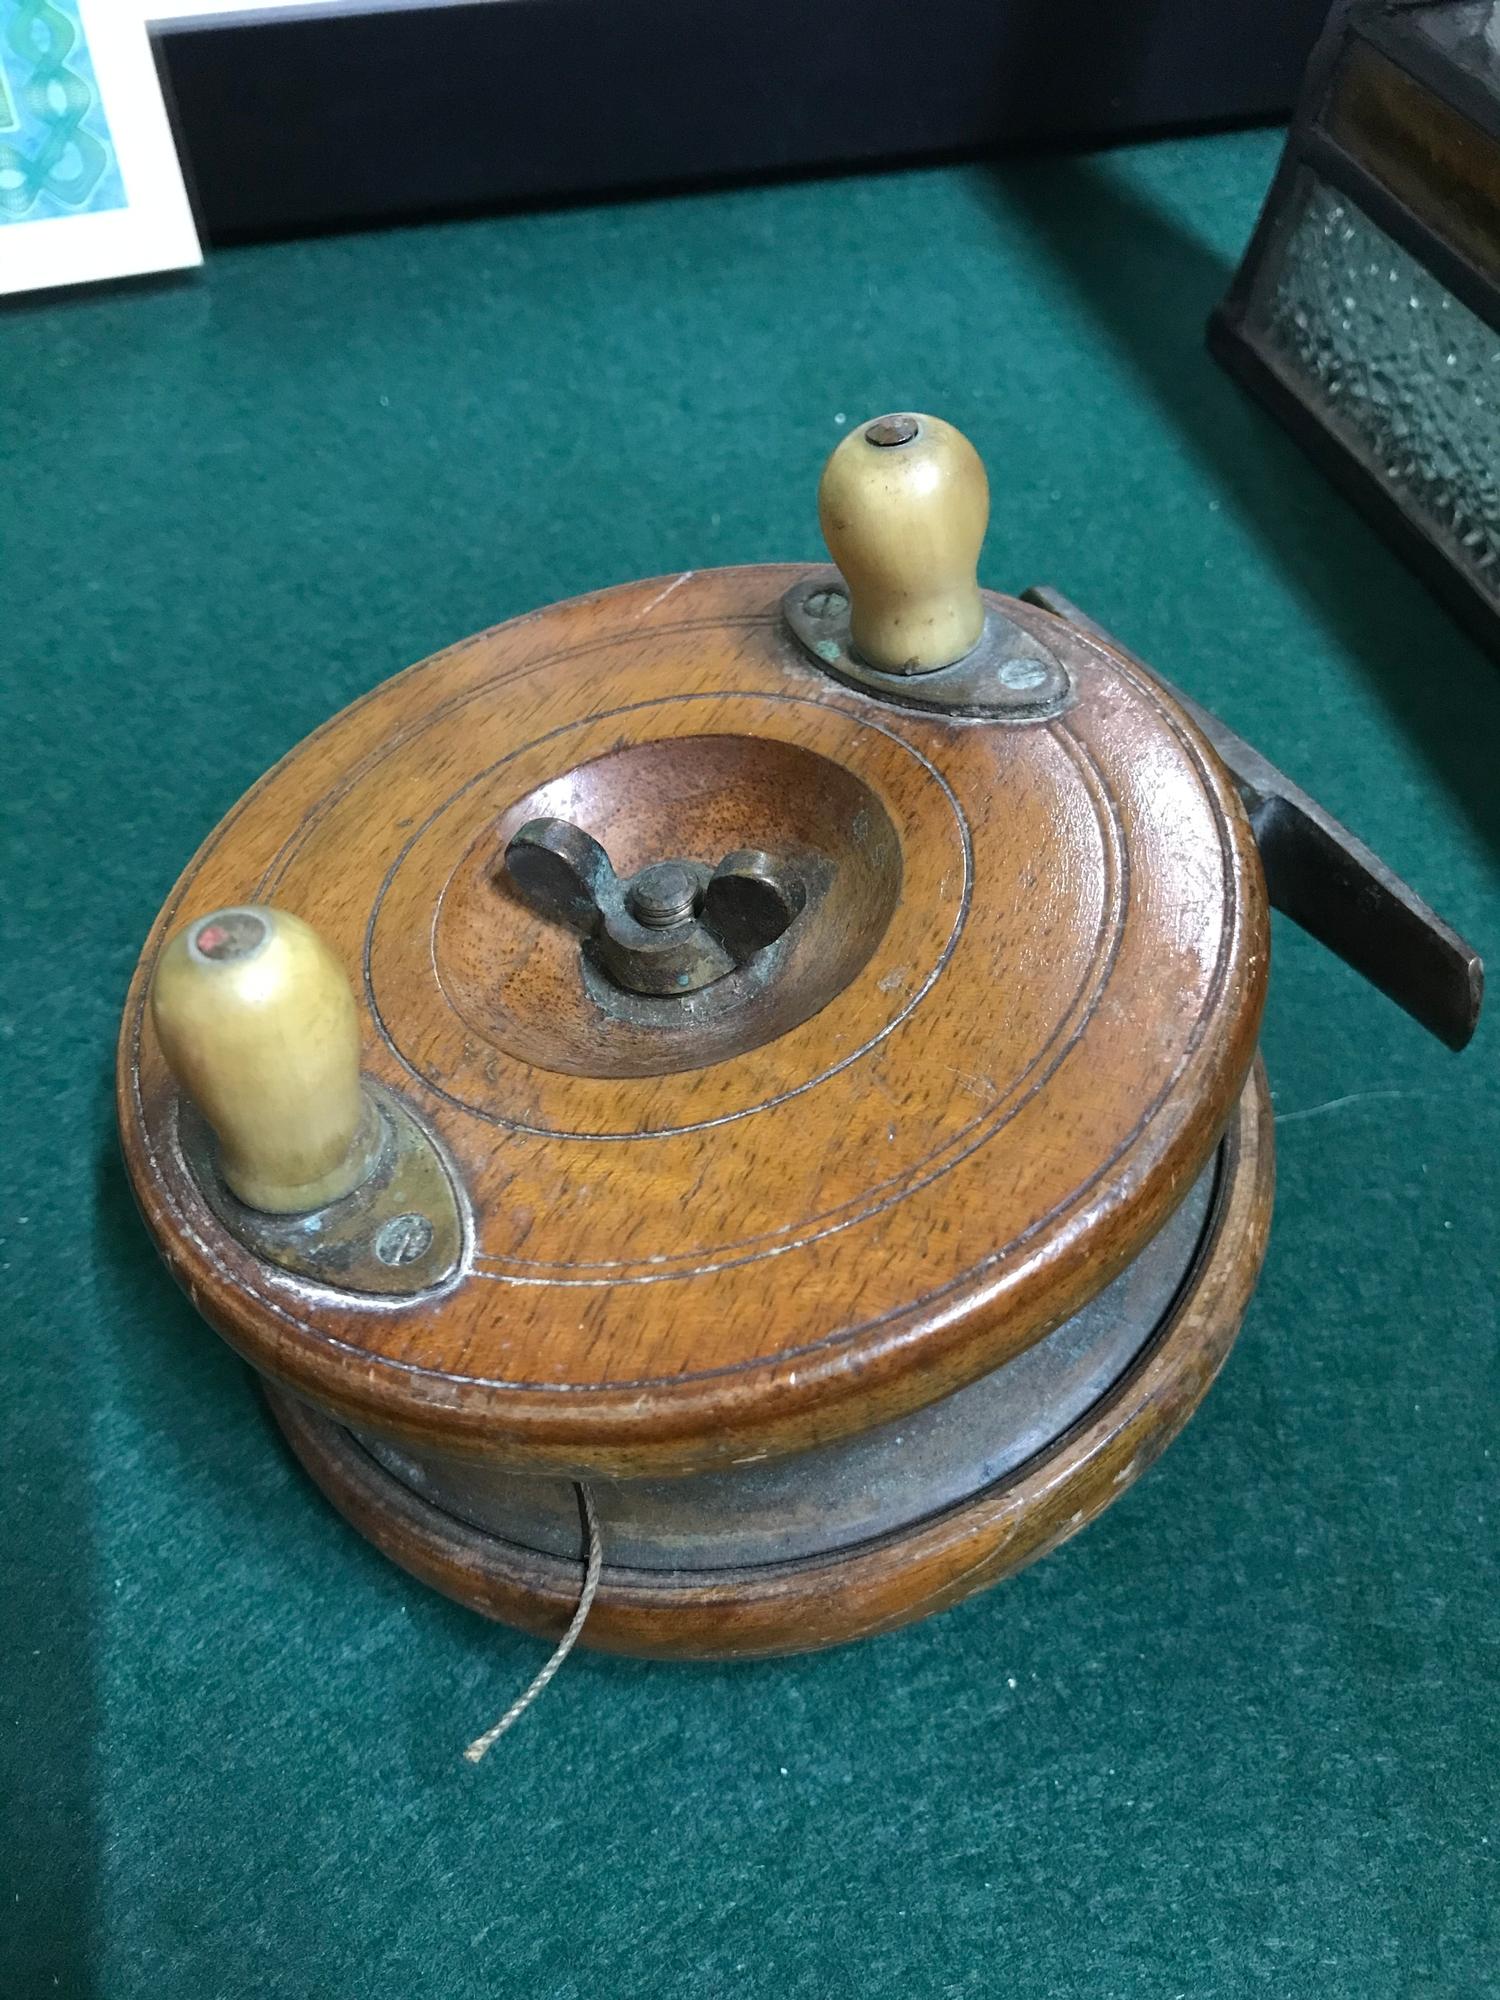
x: 336, y: 115
x: 1326, y: 880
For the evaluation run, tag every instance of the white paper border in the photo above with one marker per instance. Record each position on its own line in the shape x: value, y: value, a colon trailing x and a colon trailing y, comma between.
x: 155, y: 231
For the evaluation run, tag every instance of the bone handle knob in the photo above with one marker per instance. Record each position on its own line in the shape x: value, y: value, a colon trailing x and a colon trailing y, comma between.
x: 904, y: 503
x: 254, y: 1015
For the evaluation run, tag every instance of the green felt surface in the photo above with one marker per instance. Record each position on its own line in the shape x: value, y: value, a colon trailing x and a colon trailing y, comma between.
x: 1239, y: 1738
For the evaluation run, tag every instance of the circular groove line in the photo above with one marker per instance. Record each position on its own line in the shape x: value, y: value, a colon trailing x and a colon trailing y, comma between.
x: 994, y: 1117
x: 358, y: 771
x: 1110, y: 828
x: 317, y: 1338
x: 728, y: 1117
x: 321, y: 808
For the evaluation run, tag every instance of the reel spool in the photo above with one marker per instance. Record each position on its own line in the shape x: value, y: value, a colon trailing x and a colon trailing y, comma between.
x: 776, y: 1045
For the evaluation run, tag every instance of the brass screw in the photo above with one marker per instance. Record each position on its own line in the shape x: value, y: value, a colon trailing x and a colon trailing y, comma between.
x: 663, y: 895
x: 825, y: 603
x: 230, y: 934
x: 403, y: 1239
x: 891, y: 430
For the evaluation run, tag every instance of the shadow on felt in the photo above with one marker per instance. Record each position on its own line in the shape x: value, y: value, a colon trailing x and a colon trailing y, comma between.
x: 172, y: 1354
x: 1150, y: 285
x: 51, y: 1642
x: 170, y: 1342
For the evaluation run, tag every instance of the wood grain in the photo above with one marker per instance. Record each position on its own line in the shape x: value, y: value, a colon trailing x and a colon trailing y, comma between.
x: 1005, y: 1084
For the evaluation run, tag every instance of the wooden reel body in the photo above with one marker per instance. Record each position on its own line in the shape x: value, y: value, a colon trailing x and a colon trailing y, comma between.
x: 999, y: 1069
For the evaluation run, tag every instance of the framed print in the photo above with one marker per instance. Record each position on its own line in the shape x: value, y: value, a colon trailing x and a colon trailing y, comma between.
x: 90, y: 185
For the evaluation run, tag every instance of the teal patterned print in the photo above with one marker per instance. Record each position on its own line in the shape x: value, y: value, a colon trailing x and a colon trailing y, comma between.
x: 56, y: 153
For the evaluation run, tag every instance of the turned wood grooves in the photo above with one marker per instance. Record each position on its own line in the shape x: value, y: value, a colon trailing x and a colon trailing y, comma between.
x: 1007, y: 1047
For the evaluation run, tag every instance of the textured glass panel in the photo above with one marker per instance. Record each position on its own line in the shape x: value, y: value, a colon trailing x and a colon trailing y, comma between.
x: 1395, y: 366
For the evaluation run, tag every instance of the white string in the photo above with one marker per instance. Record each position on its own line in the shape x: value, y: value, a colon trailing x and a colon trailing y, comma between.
x: 482, y: 1745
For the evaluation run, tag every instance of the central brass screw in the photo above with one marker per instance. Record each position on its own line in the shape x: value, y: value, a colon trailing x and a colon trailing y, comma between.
x: 891, y: 430
x: 664, y: 895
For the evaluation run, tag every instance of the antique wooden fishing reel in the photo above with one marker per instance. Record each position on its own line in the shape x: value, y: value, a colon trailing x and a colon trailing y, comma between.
x: 772, y: 1048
